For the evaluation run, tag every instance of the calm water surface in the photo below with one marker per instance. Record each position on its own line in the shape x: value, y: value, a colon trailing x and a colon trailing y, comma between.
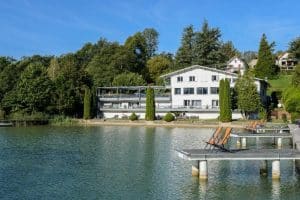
x: 115, y: 162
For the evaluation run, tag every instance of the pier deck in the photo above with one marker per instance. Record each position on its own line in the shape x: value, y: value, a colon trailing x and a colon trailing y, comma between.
x: 249, y: 154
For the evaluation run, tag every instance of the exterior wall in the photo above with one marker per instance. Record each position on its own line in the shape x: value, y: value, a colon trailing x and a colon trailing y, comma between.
x: 203, y: 78
x: 141, y: 114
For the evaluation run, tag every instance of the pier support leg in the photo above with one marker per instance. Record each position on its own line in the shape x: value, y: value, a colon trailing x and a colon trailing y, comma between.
x: 195, y: 168
x: 203, y: 171
x: 279, y: 142
x: 264, y: 168
x: 238, y: 143
x: 244, y: 142
x: 275, y: 169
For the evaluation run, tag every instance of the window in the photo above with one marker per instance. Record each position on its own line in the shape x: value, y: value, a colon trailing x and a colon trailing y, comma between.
x: 186, y: 102
x: 179, y: 79
x: 196, y: 103
x: 214, y: 90
x: 192, y: 78
x: 202, y: 90
x: 215, y: 103
x: 215, y: 78
x: 177, y: 90
x: 188, y: 90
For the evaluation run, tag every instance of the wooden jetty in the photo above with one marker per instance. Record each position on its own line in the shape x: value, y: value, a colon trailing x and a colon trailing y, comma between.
x: 202, y: 156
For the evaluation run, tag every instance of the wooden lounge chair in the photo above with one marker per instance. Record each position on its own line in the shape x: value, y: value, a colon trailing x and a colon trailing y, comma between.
x: 216, y: 136
x: 218, y: 141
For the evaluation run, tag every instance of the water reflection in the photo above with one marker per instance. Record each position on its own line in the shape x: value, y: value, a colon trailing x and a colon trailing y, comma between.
x: 275, y: 189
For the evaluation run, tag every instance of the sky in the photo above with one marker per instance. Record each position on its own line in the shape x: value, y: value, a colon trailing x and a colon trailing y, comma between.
x: 56, y: 27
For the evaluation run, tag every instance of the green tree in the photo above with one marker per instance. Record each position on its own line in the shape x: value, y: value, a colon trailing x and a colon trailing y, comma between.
x: 53, y: 69
x: 248, y: 98
x: 150, y: 104
x: 225, y: 101
x: 128, y: 79
x: 221, y: 99
x: 87, y: 104
x: 34, y: 89
x: 151, y: 38
x: 265, y: 66
x: 207, y: 45
x: 294, y: 47
x: 226, y: 52
x: 184, y: 55
x: 158, y: 65
x: 137, y: 46
x: 296, y: 76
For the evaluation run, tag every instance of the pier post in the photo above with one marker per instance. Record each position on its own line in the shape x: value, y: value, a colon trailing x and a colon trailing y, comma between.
x: 203, y: 171
x: 264, y: 168
x: 238, y: 143
x: 244, y: 142
x: 195, y: 168
x: 275, y: 169
x: 279, y: 142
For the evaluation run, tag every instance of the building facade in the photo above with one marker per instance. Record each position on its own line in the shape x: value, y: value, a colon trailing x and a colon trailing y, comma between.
x: 236, y: 65
x: 189, y: 92
x: 286, y: 62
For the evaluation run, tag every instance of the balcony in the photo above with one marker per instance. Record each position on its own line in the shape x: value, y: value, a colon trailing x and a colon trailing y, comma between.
x: 133, y: 97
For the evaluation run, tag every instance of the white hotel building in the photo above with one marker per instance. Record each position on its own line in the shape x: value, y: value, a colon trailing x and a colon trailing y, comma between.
x: 191, y: 92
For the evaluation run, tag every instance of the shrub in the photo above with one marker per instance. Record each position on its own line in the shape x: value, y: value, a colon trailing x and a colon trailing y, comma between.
x: 169, y: 117
x: 133, y: 117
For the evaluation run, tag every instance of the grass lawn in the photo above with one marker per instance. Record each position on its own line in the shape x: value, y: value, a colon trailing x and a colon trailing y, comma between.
x: 280, y: 84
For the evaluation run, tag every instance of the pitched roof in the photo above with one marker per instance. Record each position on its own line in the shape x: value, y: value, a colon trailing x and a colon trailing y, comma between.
x: 204, y: 68
x: 234, y: 57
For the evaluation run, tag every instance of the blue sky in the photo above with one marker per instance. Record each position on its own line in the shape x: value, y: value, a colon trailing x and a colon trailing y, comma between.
x: 60, y: 26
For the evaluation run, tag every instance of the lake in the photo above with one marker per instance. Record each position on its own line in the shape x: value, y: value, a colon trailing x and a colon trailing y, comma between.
x: 115, y: 162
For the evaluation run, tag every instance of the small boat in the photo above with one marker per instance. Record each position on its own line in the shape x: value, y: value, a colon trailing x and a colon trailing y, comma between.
x: 5, y: 123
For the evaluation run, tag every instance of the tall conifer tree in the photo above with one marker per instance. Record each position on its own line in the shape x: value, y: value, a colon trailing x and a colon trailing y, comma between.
x: 265, y: 67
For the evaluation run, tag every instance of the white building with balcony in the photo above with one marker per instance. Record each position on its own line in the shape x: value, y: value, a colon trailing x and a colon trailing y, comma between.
x: 189, y: 92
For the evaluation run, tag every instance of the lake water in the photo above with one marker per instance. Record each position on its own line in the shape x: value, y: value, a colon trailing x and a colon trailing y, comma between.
x: 115, y: 162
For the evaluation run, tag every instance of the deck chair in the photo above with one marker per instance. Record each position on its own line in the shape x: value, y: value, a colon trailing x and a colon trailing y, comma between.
x: 215, y: 137
x: 219, y: 142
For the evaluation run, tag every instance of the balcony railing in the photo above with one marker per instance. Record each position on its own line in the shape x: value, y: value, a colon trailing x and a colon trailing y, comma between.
x: 142, y: 97
x: 160, y: 107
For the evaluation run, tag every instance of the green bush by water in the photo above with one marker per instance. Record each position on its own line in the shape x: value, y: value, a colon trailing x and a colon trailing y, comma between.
x: 169, y: 117
x: 133, y: 117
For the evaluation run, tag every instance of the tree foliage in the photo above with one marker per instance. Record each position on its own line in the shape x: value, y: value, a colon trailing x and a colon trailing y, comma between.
x: 248, y: 98
x: 157, y: 66
x: 296, y: 76
x: 151, y: 38
x: 225, y: 101
x: 128, y: 79
x: 265, y: 67
x: 87, y: 104
x: 294, y: 47
x: 150, y: 105
x: 184, y: 55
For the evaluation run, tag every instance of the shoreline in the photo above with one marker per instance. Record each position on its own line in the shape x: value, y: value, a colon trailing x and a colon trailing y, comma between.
x: 159, y: 123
